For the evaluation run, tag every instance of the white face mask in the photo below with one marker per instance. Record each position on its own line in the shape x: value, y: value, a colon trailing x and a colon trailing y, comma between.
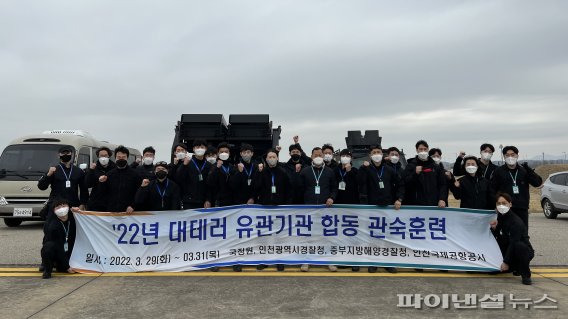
x: 327, y: 157
x: 511, y: 160
x: 423, y: 155
x: 394, y: 159
x: 212, y: 159
x: 318, y: 161
x: 437, y: 160
x: 148, y: 160
x: 345, y: 160
x: 471, y: 169
x: 199, y: 151
x: 104, y: 161
x: 377, y: 158
x: 486, y: 156
x: 503, y: 209
x: 246, y: 158
x: 180, y: 155
x: 224, y: 156
x: 61, y: 211
x: 272, y: 162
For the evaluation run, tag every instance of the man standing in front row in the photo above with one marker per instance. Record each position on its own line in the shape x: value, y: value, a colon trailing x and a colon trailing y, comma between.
x: 119, y: 186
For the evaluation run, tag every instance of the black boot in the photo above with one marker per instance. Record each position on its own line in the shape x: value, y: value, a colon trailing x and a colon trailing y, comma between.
x: 280, y: 267
x: 260, y: 267
x: 214, y: 269
x: 372, y: 269
x: 237, y: 268
x: 41, y: 267
x: 392, y: 270
x: 48, y: 268
x: 355, y: 268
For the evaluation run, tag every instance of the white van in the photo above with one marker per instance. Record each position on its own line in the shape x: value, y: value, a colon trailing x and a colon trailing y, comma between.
x: 27, y: 158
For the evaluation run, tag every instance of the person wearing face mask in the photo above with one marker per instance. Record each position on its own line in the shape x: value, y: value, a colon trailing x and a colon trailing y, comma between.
x: 192, y: 177
x: 514, y: 179
x: 474, y: 190
x: 119, y: 186
x: 178, y: 157
x: 328, y: 156
x: 97, y: 200
x: 486, y: 167
x: 380, y: 185
x: 146, y: 170
x: 512, y: 236
x: 393, y: 160
x: 219, y: 179
x: 424, y: 180
x: 436, y: 155
x: 211, y: 155
x: 298, y: 161
x: 245, y: 174
x: 319, y: 186
x: 59, y: 239
x: 160, y: 194
x: 346, y: 176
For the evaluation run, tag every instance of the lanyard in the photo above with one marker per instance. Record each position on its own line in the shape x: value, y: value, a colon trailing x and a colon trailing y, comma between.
x: 486, y: 169
x: 162, y: 194
x: 66, y: 231
x: 272, y: 178
x: 514, y: 178
x: 197, y: 167
x: 226, y: 169
x: 341, y: 173
x: 382, y: 171
x: 249, y: 173
x: 68, y: 178
x: 317, y: 177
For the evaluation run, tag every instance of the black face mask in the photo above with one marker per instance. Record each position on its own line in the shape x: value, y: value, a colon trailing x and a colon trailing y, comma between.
x: 65, y: 158
x: 295, y: 157
x: 161, y: 174
x: 121, y: 163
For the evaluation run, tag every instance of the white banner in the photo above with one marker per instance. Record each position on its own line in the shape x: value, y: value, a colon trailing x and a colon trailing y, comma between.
x: 343, y: 235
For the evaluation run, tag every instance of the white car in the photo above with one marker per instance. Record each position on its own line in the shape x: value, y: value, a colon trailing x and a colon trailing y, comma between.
x: 554, y: 195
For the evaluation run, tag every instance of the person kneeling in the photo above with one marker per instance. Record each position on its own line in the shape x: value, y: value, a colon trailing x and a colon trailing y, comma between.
x: 59, y: 238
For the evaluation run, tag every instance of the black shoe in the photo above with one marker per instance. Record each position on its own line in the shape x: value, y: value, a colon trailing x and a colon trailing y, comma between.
x: 392, y: 270
x: 355, y: 268
x: 342, y: 267
x: 260, y: 267
x: 444, y: 270
x: 516, y: 273
x: 526, y: 280
x: 214, y: 269
x: 372, y: 270
x: 280, y: 267
x: 41, y: 267
x: 47, y: 275
x: 237, y: 268
x: 419, y: 270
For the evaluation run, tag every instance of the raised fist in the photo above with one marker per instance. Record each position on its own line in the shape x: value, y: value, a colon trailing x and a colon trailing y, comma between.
x: 103, y: 179
x: 145, y: 182
x: 51, y: 171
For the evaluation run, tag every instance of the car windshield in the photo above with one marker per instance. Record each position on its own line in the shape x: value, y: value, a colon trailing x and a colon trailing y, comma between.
x: 29, y: 159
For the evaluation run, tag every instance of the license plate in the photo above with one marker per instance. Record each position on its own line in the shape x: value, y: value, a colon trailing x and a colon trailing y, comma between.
x: 23, y: 212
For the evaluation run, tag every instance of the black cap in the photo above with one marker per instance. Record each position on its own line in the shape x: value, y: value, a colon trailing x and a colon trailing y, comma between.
x: 66, y: 148
x: 162, y: 163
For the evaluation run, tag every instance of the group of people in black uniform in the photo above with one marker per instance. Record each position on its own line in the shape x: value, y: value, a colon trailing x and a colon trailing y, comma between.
x: 213, y: 177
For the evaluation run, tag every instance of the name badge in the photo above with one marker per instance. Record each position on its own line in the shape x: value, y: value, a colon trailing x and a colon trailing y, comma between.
x: 65, y: 247
x: 342, y: 186
x: 515, y: 189
x: 249, y: 181
x: 200, y: 178
x: 317, y: 190
x: 273, y: 189
x: 381, y: 185
x: 68, y: 184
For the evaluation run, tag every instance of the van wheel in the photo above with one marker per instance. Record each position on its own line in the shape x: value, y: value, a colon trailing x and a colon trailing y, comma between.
x: 12, y: 222
x: 548, y: 209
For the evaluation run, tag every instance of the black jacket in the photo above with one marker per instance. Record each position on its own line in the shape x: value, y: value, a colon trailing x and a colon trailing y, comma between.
x: 369, y: 187
x: 485, y: 170
x: 97, y: 200
x: 219, y: 182
x: 426, y: 188
x: 262, y: 187
x: 150, y: 197
x: 474, y: 192
x: 239, y: 182
x: 194, y: 192
x: 510, y: 229
x: 120, y: 188
x: 146, y: 171
x: 327, y: 184
x: 54, y: 232
x: 351, y: 193
x: 290, y: 167
x: 77, y: 194
x: 503, y: 183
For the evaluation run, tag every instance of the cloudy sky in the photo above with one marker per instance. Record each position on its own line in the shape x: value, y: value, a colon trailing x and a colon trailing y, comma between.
x: 456, y: 73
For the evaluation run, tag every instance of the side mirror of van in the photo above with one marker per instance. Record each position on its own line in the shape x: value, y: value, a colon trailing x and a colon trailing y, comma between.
x: 83, y: 166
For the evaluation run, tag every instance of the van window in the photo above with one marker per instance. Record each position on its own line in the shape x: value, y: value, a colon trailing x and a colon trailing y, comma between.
x: 27, y: 160
x: 84, y: 155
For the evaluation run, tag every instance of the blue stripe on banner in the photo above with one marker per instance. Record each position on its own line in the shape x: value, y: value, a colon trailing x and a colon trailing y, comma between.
x: 254, y: 206
x: 345, y: 263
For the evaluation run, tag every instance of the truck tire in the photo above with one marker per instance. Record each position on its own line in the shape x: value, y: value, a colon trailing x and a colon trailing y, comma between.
x: 12, y: 222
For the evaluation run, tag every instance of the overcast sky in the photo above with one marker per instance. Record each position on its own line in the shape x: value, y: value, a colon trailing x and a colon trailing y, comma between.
x: 456, y: 73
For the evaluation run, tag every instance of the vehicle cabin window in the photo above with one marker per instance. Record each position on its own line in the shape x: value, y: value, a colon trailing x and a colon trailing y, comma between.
x: 559, y: 179
x: 131, y: 159
x: 84, y: 155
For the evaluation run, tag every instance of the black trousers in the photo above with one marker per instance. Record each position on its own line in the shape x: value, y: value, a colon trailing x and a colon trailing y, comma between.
x: 52, y: 253
x: 522, y: 256
x: 523, y: 215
